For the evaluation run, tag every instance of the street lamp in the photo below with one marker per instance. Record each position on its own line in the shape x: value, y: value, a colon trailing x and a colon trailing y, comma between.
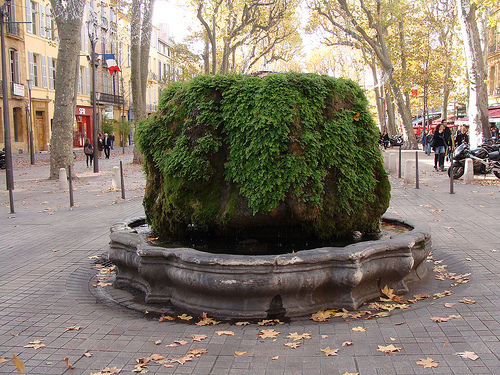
x: 6, y: 123
x: 92, y: 27
x: 30, y: 122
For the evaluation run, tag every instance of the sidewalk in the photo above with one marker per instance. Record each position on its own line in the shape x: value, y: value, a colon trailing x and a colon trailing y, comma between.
x: 47, y: 292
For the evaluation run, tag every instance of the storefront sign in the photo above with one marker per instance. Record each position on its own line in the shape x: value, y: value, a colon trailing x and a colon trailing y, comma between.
x: 17, y: 89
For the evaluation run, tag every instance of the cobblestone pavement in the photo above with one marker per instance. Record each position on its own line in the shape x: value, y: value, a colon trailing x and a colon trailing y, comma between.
x: 47, y: 292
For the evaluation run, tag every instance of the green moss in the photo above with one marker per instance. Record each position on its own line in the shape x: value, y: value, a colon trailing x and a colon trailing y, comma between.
x: 223, y: 145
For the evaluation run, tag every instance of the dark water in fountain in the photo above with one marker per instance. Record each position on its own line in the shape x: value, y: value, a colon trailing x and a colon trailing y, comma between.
x: 286, y: 242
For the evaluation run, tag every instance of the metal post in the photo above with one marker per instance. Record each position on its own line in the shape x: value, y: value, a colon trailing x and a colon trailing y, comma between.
x: 417, y: 182
x: 6, y: 121
x: 32, y: 148
x: 122, y: 180
x: 71, y: 202
x: 452, y: 185
x: 93, y: 40
x: 399, y: 171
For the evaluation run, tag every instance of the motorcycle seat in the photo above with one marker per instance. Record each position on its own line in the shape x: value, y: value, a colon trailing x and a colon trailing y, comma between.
x: 494, y: 155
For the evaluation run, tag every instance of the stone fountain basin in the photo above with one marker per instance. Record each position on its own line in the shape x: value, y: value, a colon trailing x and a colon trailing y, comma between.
x: 266, y: 286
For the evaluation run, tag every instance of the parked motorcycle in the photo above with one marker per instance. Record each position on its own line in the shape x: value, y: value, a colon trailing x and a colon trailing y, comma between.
x: 484, y: 160
x: 396, y: 140
x: 2, y: 160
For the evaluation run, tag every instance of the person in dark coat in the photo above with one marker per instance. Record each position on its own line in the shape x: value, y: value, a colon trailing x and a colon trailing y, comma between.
x: 106, y: 145
x: 439, y: 144
x: 462, y: 136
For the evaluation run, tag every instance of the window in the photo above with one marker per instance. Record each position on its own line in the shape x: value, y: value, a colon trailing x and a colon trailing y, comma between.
x: 41, y: 20
x: 14, y: 66
x: 52, y: 72
x: 159, y: 70
x: 49, y: 24
x: 15, y: 116
x: 33, y: 8
x: 33, y: 66
x: 80, y: 80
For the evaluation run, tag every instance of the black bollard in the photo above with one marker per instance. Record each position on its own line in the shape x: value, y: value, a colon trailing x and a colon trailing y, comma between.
x: 399, y: 171
x: 417, y: 184
x: 122, y: 180
x: 71, y: 202
x: 452, y: 185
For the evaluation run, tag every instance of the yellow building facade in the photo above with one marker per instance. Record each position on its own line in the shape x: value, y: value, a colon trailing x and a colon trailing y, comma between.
x: 31, y: 47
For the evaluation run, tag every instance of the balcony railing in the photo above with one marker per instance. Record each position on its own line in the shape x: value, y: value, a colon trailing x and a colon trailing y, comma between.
x: 13, y: 28
x: 104, y: 98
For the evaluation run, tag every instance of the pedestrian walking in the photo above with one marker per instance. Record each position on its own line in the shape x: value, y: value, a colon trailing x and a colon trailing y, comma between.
x: 89, y: 152
x: 112, y: 139
x: 438, y: 144
x: 106, y: 144
x: 99, y: 145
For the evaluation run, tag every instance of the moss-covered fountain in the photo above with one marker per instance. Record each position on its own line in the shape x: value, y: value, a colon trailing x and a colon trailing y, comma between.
x: 246, y: 160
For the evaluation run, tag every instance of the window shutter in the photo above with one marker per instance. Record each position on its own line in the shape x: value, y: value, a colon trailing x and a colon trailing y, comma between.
x: 48, y: 19
x: 31, y: 66
x: 88, y: 79
x: 80, y: 78
x: 44, y: 72
x: 29, y: 25
x: 42, y: 24
x: 51, y: 72
x: 86, y: 37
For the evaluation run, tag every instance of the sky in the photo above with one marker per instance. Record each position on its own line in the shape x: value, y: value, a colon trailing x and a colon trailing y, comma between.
x: 172, y: 13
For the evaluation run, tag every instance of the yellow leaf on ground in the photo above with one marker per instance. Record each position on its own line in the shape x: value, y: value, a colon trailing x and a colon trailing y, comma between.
x: 388, y: 349
x: 441, y: 295
x: 293, y: 345
x: 359, y: 329
x: 166, y: 317
x: 268, y: 333
x: 4, y: 359
x: 427, y: 363
x: 74, y: 328
x: 350, y: 373
x: 205, y: 320
x: 182, y: 359
x: 68, y: 363
x: 467, y: 301
x: 107, y: 370
x: 229, y: 333
x: 329, y: 351
x: 197, y: 352
x: 295, y: 336
x: 269, y: 322
x: 35, y: 344
x: 240, y: 353
x: 321, y: 316
x: 468, y: 355
x: 420, y: 297
x: 347, y: 343
x: 19, y: 364
x: 198, y: 337
x: 185, y: 317
x: 181, y: 342
x: 275, y: 358
x: 241, y: 323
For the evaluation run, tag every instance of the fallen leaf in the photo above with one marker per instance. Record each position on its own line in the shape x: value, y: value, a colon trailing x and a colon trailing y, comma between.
x: 324, y: 336
x: 181, y: 342
x: 87, y: 354
x: 107, y: 370
x: 441, y: 295
x: 171, y: 345
x: 467, y: 301
x: 293, y: 344
x: 241, y: 323
x: 329, y: 351
x: 269, y: 322
x: 197, y: 352
x: 166, y: 317
x: 468, y: 355
x: 4, y: 359
x: 205, y: 320
x: 427, y: 363
x: 350, y: 373
x: 157, y: 342
x: 182, y: 359
x: 240, y: 353
x: 295, y: 336
x: 438, y: 319
x: 19, y: 364
x: 68, y: 363
x: 322, y: 316
x: 275, y: 358
x: 198, y: 337
x: 446, y: 343
x: 185, y: 317
x: 347, y: 343
x: 74, y: 328
x: 388, y: 349
x: 398, y: 324
x: 269, y: 333
x: 420, y: 297
x: 359, y: 329
x: 35, y: 344
x: 229, y: 333
x: 449, y: 304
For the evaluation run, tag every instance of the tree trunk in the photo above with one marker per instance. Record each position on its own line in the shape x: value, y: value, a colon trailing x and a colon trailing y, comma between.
x: 391, y: 115
x: 478, y: 97
x: 140, y: 35
x: 69, y: 25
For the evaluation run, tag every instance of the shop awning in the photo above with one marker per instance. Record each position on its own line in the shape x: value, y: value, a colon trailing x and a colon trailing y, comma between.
x: 493, y: 114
